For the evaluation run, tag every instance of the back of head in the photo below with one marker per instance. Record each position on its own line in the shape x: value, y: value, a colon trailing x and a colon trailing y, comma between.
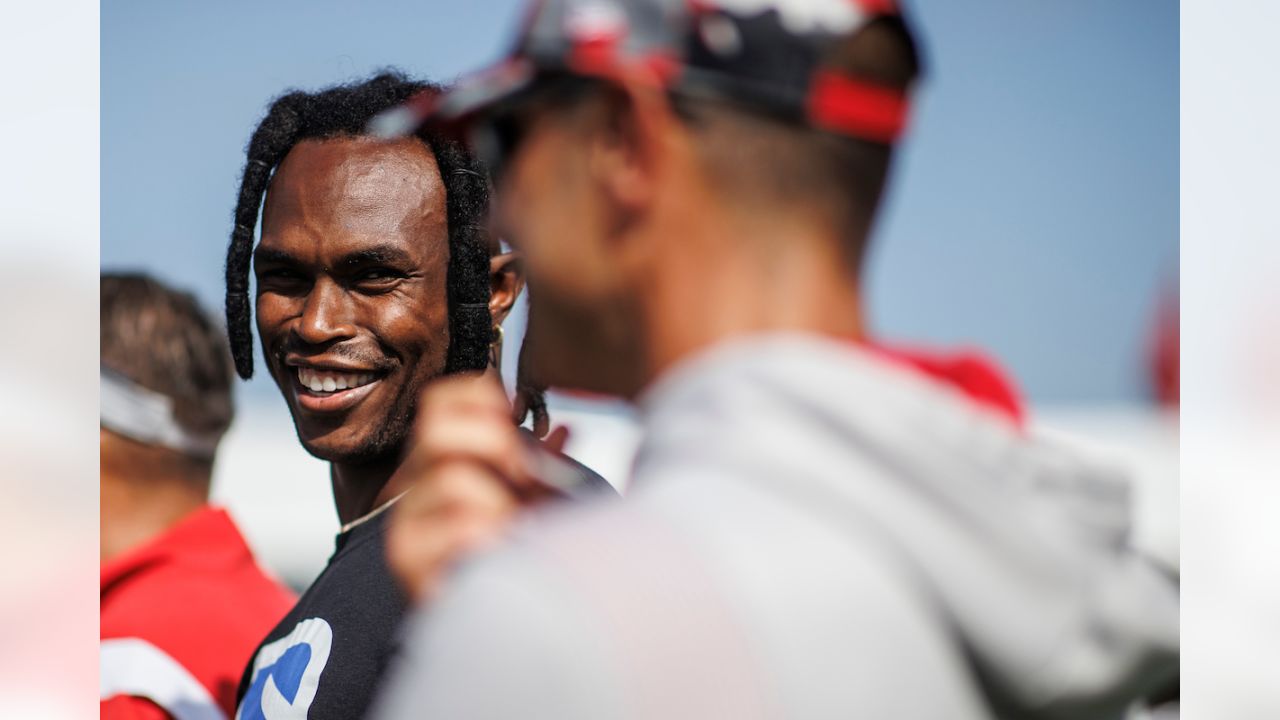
x: 773, y: 164
x: 159, y: 340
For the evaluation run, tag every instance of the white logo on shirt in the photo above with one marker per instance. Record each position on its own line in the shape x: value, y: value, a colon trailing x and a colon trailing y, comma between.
x: 286, y: 673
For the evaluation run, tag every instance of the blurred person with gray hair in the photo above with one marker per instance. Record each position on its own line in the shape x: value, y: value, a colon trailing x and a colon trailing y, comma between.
x: 183, y: 603
x: 817, y: 526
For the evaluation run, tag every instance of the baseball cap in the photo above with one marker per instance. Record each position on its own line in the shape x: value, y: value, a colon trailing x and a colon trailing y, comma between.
x: 770, y: 56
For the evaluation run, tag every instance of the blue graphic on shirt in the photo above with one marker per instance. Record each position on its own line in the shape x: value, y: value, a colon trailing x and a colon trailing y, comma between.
x: 286, y: 673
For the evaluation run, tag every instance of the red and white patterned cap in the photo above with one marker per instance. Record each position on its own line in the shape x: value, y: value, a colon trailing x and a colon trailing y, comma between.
x: 764, y: 54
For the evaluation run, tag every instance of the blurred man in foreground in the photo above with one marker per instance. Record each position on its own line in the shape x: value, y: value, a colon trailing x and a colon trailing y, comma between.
x: 375, y: 275
x: 816, y: 528
x: 183, y: 602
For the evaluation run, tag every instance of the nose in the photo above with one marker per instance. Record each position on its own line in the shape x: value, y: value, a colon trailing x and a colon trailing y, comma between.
x: 327, y: 315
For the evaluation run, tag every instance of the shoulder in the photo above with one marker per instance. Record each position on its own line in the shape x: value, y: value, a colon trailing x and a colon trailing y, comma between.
x: 512, y: 621
x: 206, y: 624
x: 136, y: 679
x: 356, y: 593
x: 327, y: 655
x: 602, y: 611
x: 186, y: 601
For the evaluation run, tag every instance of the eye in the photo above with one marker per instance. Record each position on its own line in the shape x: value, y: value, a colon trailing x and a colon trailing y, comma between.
x: 377, y: 278
x: 281, y: 277
x: 375, y: 274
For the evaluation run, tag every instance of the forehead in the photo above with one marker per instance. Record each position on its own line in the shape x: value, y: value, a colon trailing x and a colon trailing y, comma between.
x: 348, y: 191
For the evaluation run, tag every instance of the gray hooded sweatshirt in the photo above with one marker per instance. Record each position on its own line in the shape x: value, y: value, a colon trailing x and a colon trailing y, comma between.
x: 812, y: 531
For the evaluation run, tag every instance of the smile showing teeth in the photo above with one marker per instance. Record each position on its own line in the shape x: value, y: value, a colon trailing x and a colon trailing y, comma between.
x: 329, y: 381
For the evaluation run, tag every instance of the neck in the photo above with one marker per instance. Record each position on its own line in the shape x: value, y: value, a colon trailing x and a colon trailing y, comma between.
x: 751, y: 275
x: 135, y: 509
x: 358, y: 488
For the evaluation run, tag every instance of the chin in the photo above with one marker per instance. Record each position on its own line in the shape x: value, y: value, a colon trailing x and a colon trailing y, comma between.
x: 351, y: 452
x: 324, y: 451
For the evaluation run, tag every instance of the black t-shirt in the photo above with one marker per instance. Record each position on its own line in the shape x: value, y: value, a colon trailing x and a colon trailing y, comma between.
x: 324, y: 659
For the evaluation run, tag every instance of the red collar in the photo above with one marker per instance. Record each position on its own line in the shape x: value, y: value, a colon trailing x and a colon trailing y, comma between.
x: 207, y: 537
x: 971, y: 372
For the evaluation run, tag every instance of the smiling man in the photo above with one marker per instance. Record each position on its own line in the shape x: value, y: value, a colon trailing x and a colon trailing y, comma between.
x: 374, y: 276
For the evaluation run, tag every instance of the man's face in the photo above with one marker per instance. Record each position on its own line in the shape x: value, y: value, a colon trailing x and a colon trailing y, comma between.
x: 352, y: 305
x: 581, y: 331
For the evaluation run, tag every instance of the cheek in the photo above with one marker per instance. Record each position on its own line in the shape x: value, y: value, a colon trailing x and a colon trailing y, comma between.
x: 559, y: 240
x: 546, y: 204
x: 272, y: 313
x: 572, y: 265
x: 415, y: 328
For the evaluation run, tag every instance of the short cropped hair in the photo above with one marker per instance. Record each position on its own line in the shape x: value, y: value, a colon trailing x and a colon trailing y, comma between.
x: 760, y: 160
x: 161, y: 339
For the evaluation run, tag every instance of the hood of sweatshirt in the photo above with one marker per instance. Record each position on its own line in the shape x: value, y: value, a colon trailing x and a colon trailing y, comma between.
x: 1022, y: 545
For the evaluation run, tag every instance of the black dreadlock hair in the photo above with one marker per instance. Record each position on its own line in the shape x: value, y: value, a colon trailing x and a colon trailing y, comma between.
x: 345, y: 110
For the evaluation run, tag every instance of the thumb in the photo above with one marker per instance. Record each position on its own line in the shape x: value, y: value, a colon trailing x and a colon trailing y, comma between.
x: 557, y: 439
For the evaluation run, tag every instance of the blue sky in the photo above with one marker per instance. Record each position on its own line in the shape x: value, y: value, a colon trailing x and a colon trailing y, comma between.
x: 1034, y: 212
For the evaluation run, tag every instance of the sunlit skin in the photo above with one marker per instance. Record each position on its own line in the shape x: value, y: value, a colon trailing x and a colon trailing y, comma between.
x: 638, y: 260
x: 351, y: 280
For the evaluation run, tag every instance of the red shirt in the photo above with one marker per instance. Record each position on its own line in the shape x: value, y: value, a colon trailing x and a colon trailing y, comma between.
x: 181, y: 616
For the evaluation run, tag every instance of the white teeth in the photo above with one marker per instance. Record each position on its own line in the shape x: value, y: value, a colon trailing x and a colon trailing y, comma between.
x: 314, y: 381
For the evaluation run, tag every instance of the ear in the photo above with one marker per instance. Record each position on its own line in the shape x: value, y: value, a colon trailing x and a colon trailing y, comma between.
x: 506, y: 280
x: 628, y: 155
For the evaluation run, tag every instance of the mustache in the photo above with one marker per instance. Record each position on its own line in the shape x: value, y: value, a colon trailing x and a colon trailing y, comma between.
x: 355, y: 354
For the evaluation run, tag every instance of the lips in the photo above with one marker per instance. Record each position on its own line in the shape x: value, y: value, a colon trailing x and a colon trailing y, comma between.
x: 331, y: 390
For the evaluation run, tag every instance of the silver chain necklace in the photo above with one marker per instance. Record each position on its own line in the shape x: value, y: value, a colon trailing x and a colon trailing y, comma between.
x: 371, y: 514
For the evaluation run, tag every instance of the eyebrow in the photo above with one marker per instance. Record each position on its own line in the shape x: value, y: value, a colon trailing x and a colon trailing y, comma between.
x: 378, y: 254
x: 274, y: 256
